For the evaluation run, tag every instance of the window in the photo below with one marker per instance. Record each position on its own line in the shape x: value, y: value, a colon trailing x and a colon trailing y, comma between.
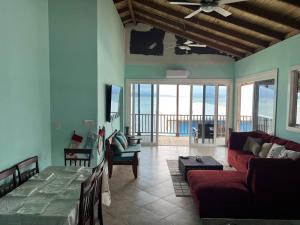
x: 294, y: 99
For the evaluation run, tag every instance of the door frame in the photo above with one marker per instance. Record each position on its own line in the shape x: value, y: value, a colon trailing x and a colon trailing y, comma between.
x: 267, y: 75
x: 215, y: 81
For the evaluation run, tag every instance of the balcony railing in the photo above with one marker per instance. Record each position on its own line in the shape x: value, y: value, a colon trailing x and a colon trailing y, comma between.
x: 264, y: 124
x: 170, y: 124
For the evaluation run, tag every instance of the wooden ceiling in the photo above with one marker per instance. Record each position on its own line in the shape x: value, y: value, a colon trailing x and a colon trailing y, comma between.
x: 253, y: 25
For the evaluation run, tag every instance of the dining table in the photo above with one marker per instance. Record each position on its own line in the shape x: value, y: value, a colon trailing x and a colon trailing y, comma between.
x: 48, y: 198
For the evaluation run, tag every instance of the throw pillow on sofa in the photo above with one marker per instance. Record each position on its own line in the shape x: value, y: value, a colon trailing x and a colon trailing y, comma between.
x: 252, y: 145
x: 122, y: 140
x: 265, y: 148
x: 289, y: 154
x: 117, y: 146
x: 275, y: 151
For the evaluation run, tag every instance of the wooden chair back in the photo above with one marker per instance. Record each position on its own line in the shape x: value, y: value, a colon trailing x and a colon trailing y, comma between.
x: 10, y: 185
x: 23, y: 174
x: 98, y: 173
x: 78, y: 161
x: 109, y: 151
x: 86, y: 205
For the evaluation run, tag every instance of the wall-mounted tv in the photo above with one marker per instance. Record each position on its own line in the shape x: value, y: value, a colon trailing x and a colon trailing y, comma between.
x: 113, y: 98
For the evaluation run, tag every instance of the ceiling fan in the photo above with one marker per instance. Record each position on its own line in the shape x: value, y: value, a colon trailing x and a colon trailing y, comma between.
x: 209, y: 6
x: 188, y: 45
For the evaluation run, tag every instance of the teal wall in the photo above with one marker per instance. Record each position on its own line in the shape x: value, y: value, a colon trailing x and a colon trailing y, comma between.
x: 73, y: 69
x: 86, y: 52
x: 111, y: 58
x: 282, y: 56
x: 24, y: 82
x: 222, y: 71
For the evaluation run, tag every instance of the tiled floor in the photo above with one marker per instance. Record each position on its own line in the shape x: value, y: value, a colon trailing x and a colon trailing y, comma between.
x: 150, y: 199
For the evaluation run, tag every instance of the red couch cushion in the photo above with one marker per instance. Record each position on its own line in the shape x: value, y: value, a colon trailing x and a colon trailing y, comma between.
x: 220, y: 194
x: 239, y: 159
x: 292, y: 146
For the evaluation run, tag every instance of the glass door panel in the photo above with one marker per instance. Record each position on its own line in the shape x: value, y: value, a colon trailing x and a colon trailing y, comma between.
x: 209, y: 114
x: 183, y: 113
x: 222, y: 115
x: 167, y: 125
x: 265, y: 92
x: 196, y: 114
x: 143, y: 112
x: 246, y: 108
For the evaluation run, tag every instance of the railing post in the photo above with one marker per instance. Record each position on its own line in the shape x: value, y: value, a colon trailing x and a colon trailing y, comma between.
x: 152, y: 107
x: 139, y: 110
x: 177, y: 111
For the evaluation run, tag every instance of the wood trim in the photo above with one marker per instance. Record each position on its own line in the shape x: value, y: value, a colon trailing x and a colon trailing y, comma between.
x: 206, y: 24
x: 130, y: 6
x: 198, y: 32
x: 193, y: 37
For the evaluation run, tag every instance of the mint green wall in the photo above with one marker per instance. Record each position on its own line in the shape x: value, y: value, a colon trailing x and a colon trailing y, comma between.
x: 282, y: 56
x: 73, y: 69
x: 134, y: 71
x: 111, y: 59
x: 24, y: 82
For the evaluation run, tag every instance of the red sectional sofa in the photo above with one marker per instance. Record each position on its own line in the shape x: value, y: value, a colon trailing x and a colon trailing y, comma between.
x: 260, y: 188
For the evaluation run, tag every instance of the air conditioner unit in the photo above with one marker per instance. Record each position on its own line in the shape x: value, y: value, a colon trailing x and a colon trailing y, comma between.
x: 177, y: 74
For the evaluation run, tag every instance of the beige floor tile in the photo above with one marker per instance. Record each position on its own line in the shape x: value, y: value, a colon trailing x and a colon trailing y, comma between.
x: 161, y: 208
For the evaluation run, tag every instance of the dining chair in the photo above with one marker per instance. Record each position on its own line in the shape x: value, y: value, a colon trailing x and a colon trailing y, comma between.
x: 98, y: 173
x: 84, y: 159
x: 86, y: 206
x: 27, y: 168
x: 11, y: 184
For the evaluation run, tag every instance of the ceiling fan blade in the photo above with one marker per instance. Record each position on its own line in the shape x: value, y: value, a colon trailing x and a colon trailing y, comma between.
x: 197, y: 46
x: 184, y: 3
x: 188, y: 42
x: 222, y: 11
x: 224, y: 2
x: 193, y: 14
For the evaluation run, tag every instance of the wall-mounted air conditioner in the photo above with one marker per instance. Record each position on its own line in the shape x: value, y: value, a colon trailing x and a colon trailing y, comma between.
x: 177, y: 74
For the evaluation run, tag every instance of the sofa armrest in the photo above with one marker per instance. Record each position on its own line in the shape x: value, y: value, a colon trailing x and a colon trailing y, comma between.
x: 273, y: 177
x: 238, y: 139
x: 130, y: 151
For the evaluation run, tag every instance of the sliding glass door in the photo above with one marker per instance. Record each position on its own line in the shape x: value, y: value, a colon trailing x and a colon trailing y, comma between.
x: 179, y: 114
x: 209, y: 114
x: 143, y: 104
x: 257, y: 106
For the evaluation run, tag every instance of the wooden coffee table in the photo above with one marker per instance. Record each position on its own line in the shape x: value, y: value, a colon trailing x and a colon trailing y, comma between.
x: 190, y: 163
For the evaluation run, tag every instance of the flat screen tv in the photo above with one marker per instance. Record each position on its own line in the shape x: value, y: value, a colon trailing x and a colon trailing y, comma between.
x: 113, y: 98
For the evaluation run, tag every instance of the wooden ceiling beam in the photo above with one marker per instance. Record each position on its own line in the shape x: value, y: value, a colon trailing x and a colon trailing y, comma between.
x: 131, y: 11
x: 125, y: 18
x: 196, y: 31
x: 122, y: 10
x: 212, y: 26
x: 192, y: 37
x: 266, y: 14
x: 295, y: 3
x: 244, y: 24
